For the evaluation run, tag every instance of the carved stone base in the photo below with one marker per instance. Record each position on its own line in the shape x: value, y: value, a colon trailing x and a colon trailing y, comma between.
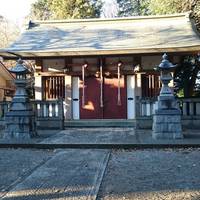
x: 167, y: 124
x: 20, y: 127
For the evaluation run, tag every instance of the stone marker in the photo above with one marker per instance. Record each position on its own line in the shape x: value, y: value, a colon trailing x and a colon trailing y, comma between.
x: 20, y: 120
x: 167, y: 117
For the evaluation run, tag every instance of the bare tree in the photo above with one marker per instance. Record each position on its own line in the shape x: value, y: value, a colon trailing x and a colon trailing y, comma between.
x: 8, y: 32
x: 110, y: 9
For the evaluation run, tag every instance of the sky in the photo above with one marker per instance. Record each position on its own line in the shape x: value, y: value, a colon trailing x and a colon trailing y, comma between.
x: 109, y: 9
x: 16, y: 10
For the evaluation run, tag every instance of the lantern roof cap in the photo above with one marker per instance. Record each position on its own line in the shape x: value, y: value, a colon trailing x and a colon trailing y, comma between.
x: 20, y: 68
x: 165, y: 64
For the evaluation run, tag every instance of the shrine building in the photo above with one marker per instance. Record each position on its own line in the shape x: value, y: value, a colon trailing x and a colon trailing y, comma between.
x: 101, y: 67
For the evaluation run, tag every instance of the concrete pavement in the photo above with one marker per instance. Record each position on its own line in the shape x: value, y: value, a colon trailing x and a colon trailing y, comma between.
x: 101, y: 174
x: 122, y: 137
x: 117, y: 136
x: 77, y: 174
x: 17, y: 164
x: 72, y: 174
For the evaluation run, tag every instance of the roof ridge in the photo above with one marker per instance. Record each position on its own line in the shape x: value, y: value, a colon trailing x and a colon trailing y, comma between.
x: 185, y: 14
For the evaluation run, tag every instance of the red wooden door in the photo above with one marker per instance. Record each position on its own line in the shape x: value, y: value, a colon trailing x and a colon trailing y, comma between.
x: 111, y: 108
x: 92, y: 109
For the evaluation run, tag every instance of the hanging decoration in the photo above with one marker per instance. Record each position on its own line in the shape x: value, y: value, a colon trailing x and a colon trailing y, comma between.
x: 101, y: 83
x: 83, y: 80
x: 118, y: 76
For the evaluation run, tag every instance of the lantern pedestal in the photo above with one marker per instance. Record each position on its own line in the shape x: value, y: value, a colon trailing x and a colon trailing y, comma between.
x: 20, y: 120
x: 167, y: 117
x: 167, y: 124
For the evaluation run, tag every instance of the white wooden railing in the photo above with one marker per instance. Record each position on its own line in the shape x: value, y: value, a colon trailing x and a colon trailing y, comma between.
x: 44, y: 110
x: 145, y: 107
x: 48, y: 109
x: 189, y: 106
x: 53, y: 109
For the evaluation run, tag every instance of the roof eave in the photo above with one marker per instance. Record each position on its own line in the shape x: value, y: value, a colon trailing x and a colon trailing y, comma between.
x: 7, y: 71
x: 59, y: 53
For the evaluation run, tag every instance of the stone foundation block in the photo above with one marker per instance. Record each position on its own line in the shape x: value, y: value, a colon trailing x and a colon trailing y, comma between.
x: 167, y: 126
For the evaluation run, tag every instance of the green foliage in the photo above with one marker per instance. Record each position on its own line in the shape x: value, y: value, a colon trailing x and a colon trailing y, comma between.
x: 66, y: 9
x: 187, y: 77
x: 196, y: 13
x: 157, y: 7
x: 40, y: 10
x: 172, y: 6
x: 132, y: 7
x: 125, y: 8
x: 164, y: 6
x: 180, y: 93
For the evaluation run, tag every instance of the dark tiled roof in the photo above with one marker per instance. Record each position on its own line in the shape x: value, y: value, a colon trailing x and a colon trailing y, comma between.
x: 171, y: 33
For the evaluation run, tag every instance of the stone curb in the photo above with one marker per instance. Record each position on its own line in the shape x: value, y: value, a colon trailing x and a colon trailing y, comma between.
x: 94, y: 193
x: 100, y: 146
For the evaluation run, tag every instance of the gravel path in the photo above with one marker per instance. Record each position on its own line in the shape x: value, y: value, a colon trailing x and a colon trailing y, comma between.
x: 152, y: 175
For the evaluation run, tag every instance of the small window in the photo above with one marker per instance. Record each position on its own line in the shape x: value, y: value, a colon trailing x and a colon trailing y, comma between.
x: 150, y: 84
x: 53, y: 87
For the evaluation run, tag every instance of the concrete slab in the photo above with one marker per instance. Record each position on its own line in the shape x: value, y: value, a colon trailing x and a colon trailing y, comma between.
x: 114, y: 136
x: 17, y: 164
x: 93, y: 136
x: 70, y: 174
x: 190, y: 137
x: 42, y: 134
x: 123, y: 137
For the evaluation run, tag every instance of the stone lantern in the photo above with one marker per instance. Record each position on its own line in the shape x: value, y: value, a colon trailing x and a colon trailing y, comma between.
x: 167, y: 117
x: 20, y: 120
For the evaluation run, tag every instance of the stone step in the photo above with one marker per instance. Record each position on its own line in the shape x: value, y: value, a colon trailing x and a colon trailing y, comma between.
x: 100, y: 123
